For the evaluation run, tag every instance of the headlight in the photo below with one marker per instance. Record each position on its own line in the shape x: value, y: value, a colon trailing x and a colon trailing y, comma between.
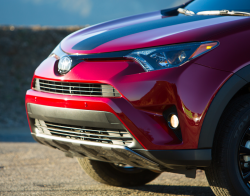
x: 170, y: 56
x: 57, y: 52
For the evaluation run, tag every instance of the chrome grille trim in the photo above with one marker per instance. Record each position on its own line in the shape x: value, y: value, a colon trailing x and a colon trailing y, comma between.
x: 73, y: 88
x: 60, y: 126
x: 106, y: 136
x: 84, y: 134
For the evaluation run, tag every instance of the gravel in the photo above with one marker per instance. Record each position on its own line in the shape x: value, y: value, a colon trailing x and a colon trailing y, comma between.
x: 34, y: 169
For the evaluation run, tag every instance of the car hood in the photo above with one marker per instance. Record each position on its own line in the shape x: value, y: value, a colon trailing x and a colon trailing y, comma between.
x: 146, y: 30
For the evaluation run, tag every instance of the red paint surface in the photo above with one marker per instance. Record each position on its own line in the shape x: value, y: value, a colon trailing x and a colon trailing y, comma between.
x: 80, y: 35
x: 145, y: 95
x: 203, y: 30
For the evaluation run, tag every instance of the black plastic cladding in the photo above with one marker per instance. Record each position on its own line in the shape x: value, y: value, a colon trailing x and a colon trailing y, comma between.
x: 218, y: 105
x: 107, y: 55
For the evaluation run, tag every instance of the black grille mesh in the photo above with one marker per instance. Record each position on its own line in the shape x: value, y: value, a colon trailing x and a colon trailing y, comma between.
x: 92, y: 134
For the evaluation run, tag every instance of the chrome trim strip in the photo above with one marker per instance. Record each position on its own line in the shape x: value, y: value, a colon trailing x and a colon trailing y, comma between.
x: 92, y: 130
x: 80, y: 142
x: 74, y: 88
x: 86, y: 134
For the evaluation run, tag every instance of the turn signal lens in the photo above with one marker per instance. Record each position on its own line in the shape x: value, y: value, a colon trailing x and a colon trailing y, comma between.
x: 204, y: 48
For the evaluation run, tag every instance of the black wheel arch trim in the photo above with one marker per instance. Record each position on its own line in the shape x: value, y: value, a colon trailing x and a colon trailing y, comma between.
x: 236, y: 82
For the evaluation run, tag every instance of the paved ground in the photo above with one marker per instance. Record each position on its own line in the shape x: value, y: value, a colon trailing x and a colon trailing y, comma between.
x: 33, y: 169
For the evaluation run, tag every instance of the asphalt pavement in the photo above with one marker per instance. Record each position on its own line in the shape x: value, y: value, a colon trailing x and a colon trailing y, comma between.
x: 29, y: 168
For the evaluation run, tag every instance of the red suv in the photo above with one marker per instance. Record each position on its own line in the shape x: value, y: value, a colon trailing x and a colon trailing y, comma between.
x: 162, y: 91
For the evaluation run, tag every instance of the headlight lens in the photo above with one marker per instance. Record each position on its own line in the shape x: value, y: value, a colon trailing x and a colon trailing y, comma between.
x: 57, y: 52
x: 170, y: 56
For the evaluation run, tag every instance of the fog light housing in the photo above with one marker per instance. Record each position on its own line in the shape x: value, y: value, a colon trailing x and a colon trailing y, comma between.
x: 173, y: 121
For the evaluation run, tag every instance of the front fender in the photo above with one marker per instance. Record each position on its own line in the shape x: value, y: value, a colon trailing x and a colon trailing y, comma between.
x: 219, y: 103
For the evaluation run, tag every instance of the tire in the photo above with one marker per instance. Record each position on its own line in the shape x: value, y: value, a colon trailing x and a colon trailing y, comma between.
x: 228, y: 168
x: 111, y: 174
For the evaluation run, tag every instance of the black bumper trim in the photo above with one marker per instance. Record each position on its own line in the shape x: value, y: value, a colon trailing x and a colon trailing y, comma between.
x: 75, y: 116
x: 188, y: 158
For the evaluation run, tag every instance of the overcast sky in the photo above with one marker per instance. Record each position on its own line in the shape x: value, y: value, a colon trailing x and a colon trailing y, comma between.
x: 75, y: 12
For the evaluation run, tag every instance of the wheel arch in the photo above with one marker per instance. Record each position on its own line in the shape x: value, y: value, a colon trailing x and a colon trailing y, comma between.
x: 236, y: 85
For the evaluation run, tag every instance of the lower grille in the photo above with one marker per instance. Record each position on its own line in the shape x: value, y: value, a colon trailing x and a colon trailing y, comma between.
x: 73, y: 88
x: 92, y: 134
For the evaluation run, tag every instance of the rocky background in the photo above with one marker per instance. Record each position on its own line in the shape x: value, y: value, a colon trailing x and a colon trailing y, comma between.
x: 22, y: 49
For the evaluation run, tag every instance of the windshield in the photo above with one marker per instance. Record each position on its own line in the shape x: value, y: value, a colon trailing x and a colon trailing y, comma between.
x: 204, y: 5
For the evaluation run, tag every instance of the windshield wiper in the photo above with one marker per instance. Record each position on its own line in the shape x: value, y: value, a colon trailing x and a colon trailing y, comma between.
x: 213, y: 12
x: 185, y: 12
x: 224, y: 12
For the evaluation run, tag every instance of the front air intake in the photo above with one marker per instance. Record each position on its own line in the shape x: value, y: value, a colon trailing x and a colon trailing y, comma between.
x: 72, y: 88
x: 90, y: 134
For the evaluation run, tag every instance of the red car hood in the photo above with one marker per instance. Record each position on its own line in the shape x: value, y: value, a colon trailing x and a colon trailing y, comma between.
x: 146, y: 30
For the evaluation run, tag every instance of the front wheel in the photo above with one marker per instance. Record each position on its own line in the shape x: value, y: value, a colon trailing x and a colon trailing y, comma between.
x: 229, y: 173
x: 116, y: 175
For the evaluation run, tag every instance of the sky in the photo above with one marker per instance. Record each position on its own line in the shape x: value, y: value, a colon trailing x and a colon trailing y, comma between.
x: 75, y: 12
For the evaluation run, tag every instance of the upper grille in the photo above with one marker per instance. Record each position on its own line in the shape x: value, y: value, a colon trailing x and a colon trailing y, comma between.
x: 101, y: 135
x: 72, y: 88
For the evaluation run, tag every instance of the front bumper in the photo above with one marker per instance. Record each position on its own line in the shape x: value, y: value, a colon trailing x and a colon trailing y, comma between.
x: 132, y: 154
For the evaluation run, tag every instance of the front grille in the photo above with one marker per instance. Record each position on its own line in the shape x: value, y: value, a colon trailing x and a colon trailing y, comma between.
x: 92, y: 134
x: 72, y: 88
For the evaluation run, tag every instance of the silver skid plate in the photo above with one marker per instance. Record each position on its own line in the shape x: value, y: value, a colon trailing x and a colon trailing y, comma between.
x: 102, y: 152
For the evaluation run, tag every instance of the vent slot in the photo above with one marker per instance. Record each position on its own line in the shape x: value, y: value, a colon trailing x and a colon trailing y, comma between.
x: 92, y: 134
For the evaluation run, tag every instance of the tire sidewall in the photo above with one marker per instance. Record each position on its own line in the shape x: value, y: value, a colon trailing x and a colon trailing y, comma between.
x: 106, y: 173
x: 237, y: 133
